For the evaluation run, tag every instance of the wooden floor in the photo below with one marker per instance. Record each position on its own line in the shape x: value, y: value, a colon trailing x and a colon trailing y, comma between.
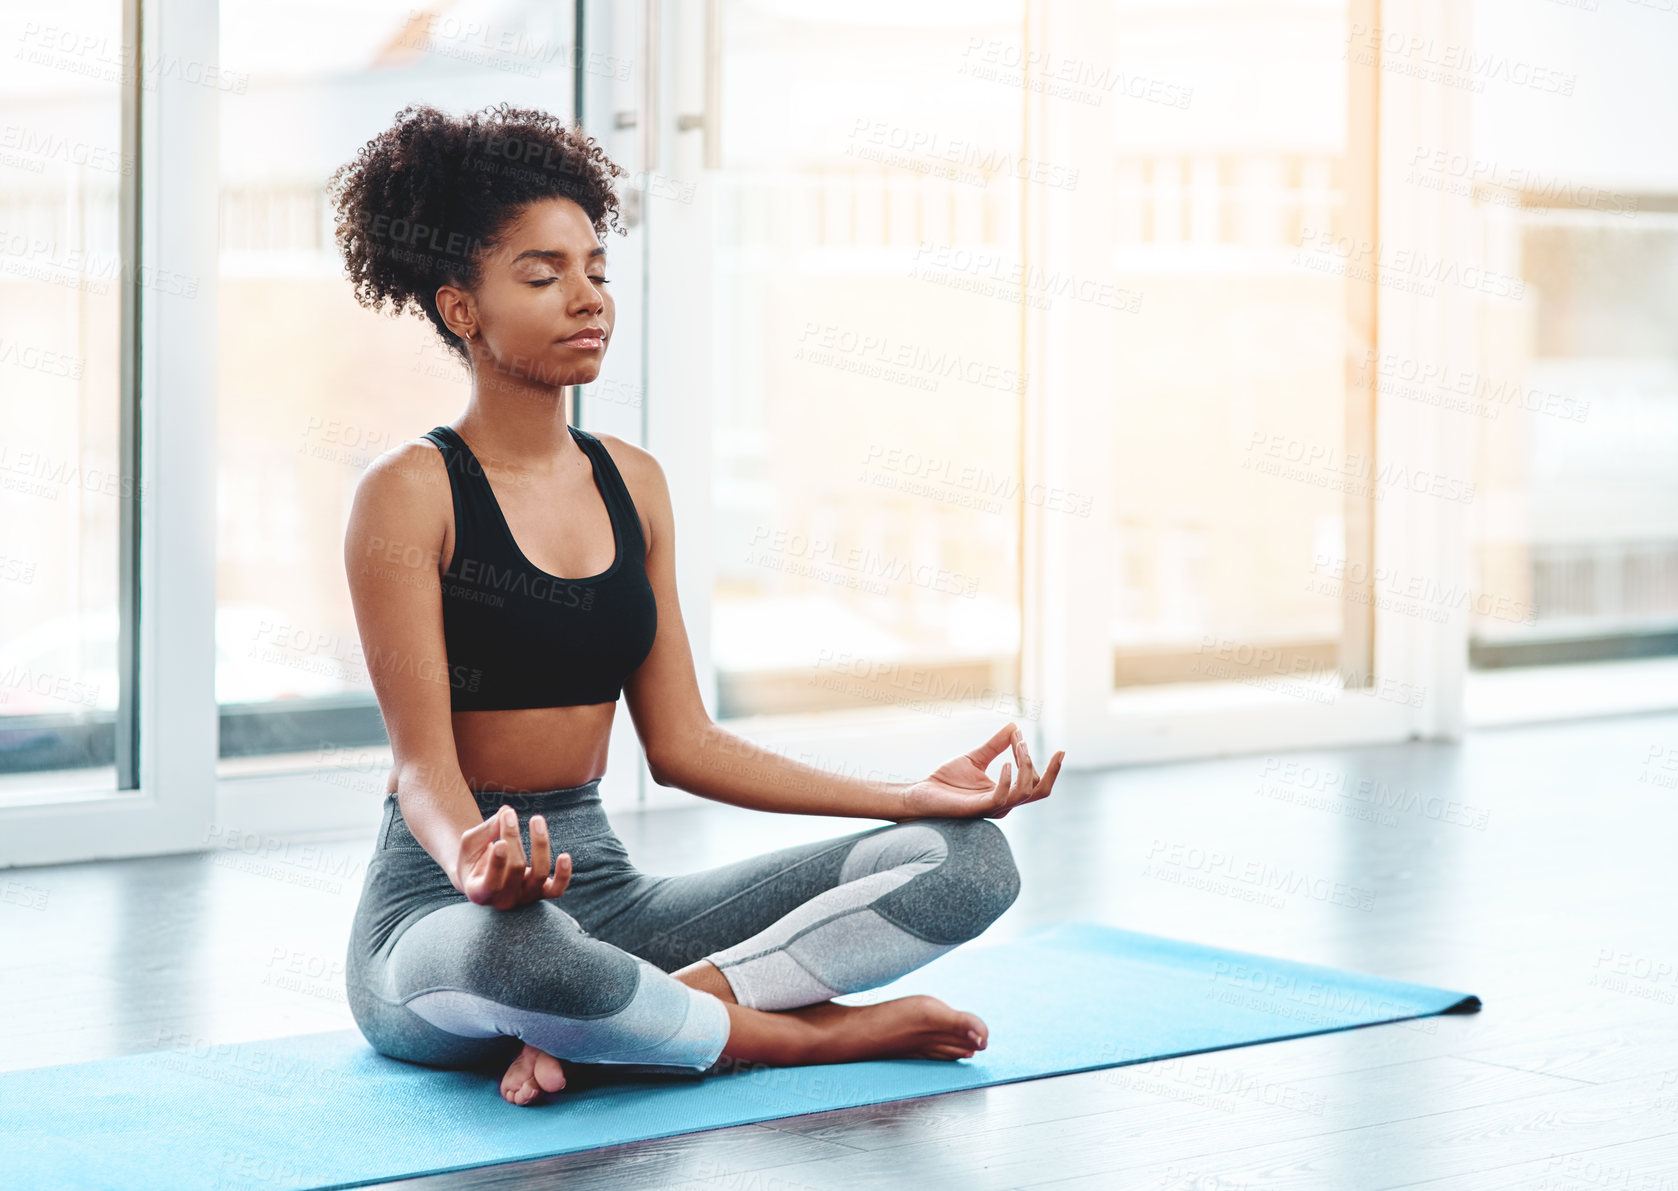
x: 1531, y: 866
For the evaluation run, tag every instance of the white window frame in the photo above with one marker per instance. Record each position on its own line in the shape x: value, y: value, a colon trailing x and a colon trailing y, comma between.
x: 174, y: 806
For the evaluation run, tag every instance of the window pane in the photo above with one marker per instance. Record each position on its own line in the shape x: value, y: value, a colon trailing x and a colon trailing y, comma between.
x: 1230, y: 461
x: 1575, y: 533
x: 868, y: 391
x: 61, y: 170
x: 313, y: 386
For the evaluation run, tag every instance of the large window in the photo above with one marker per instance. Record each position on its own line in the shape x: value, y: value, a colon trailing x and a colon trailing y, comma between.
x: 66, y: 493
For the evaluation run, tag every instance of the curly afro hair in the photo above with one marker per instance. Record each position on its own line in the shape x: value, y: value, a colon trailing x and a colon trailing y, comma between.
x: 423, y: 201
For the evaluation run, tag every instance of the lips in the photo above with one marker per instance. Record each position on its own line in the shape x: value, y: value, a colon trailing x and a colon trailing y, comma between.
x: 587, y: 337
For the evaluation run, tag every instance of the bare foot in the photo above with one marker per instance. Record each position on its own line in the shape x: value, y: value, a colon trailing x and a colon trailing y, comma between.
x: 915, y: 1027
x: 532, y: 1073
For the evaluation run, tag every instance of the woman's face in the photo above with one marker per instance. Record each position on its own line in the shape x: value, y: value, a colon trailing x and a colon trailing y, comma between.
x: 545, y: 282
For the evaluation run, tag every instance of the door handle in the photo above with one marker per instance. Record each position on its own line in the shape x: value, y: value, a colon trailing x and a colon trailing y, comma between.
x: 709, y: 119
x: 645, y: 119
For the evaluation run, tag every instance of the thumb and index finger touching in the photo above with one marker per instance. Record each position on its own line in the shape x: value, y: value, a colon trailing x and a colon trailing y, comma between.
x: 493, y: 851
x: 1006, y: 737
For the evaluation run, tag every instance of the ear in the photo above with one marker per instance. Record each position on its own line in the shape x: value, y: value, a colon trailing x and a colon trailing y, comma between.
x: 454, y: 305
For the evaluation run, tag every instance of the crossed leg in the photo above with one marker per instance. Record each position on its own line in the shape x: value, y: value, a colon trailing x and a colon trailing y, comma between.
x: 787, y: 929
x: 801, y: 925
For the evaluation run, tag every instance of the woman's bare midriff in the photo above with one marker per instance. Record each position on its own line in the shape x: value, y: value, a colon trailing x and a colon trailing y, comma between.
x: 534, y: 748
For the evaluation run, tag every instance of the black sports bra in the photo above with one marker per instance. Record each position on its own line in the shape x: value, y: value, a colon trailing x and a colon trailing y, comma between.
x: 520, y: 637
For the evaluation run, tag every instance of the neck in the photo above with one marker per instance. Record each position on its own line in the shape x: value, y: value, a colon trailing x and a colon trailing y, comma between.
x: 522, y: 429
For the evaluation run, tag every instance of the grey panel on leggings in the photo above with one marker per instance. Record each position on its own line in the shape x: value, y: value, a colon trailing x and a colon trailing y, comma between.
x: 666, y: 1023
x: 835, y: 942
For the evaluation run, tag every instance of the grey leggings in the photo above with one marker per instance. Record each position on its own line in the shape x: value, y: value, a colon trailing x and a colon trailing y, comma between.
x: 435, y: 978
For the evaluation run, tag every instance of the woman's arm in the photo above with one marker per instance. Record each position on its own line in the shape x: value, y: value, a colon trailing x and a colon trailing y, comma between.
x: 686, y: 749
x: 719, y: 765
x: 391, y: 553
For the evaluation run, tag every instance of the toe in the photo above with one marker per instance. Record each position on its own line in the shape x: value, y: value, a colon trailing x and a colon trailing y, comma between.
x: 549, y: 1074
x: 950, y: 1052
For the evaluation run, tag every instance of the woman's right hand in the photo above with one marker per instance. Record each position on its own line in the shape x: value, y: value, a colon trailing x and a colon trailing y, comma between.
x: 491, y: 870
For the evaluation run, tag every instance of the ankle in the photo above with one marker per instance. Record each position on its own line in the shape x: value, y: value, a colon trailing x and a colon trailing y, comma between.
x: 775, y: 1039
x: 707, y: 977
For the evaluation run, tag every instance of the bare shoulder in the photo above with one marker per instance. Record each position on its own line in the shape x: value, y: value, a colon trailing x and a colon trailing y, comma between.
x: 644, y: 478
x: 628, y: 457
x: 412, y: 466
x: 401, y: 498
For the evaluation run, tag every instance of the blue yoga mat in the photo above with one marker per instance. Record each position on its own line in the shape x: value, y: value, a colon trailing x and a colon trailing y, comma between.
x: 326, y: 1110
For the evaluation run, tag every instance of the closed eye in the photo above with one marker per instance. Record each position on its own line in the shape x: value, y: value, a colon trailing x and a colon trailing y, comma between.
x: 551, y: 280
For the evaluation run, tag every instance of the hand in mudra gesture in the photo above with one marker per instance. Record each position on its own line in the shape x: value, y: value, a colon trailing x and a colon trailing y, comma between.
x: 959, y: 789
x: 491, y: 868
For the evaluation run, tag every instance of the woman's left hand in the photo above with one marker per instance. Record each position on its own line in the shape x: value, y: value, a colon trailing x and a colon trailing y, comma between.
x: 959, y: 789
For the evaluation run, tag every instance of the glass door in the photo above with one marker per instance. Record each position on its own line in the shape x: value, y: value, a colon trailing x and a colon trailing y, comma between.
x: 835, y: 372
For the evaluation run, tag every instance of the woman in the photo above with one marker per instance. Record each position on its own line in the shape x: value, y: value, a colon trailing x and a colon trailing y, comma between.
x: 473, y: 943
